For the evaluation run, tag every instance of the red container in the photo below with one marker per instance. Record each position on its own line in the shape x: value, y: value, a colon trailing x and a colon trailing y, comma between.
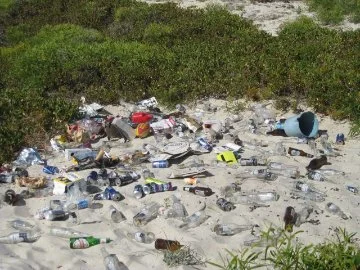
x: 141, y: 117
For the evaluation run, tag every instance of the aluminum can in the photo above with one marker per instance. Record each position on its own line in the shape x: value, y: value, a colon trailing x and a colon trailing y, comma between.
x: 160, y: 164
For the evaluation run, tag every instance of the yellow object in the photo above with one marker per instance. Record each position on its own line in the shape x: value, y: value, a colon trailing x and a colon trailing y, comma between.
x: 227, y: 156
x: 142, y: 130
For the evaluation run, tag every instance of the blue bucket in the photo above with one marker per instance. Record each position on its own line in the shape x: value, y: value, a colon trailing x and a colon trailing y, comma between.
x: 302, y: 125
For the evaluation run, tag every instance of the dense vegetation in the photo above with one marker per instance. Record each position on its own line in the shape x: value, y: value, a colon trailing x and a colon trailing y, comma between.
x: 52, y: 52
x: 335, y: 11
x: 283, y: 251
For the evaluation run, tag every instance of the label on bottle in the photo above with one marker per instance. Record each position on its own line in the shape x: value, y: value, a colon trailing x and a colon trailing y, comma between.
x: 295, y: 153
x: 199, y: 192
x: 80, y: 243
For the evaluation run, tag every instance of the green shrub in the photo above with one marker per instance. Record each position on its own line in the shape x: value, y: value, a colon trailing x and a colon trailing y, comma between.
x: 334, y: 11
x: 283, y: 251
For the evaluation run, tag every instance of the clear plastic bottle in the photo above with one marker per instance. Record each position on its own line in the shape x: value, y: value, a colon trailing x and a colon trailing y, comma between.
x: 280, y: 166
x: 292, y: 173
x: 316, y: 176
x: 335, y: 210
x: 312, y: 196
x: 304, y: 187
x: 142, y: 237
x: 177, y: 210
x: 229, y: 190
x: 66, y: 232
x: 329, y: 172
x: 111, y: 261
x: 231, y: 229
x: 279, y: 149
x: 195, y: 219
x: 146, y: 214
x: 116, y: 215
x: 263, y: 174
x: 18, y: 237
x: 254, y: 197
x: 303, y: 215
x: 21, y: 225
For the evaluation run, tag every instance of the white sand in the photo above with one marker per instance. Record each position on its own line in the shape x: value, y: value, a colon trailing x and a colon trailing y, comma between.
x: 50, y: 252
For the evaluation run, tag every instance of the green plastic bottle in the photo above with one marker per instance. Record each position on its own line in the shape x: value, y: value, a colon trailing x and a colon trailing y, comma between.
x: 86, y: 242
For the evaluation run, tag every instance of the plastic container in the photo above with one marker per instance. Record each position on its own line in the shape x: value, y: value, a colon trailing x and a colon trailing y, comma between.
x: 141, y: 117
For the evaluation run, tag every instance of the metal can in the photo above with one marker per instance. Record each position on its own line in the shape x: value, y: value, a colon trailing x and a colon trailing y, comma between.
x: 82, y: 204
x: 160, y: 164
x: 204, y: 144
x: 225, y: 205
x: 138, y: 191
x: 167, y: 187
x: 146, y: 189
x: 112, y: 194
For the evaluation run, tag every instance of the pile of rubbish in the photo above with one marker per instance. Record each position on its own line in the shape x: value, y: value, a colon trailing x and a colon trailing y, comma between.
x: 180, y: 139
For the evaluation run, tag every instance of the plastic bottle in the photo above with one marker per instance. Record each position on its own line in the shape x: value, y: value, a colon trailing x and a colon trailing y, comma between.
x: 21, y: 225
x: 297, y: 152
x: 255, y: 197
x: 279, y: 149
x: 280, y: 166
x: 225, y: 205
x: 312, y: 145
x: 142, y: 237
x: 329, y: 172
x: 328, y: 150
x: 53, y: 215
x: 231, y: 229
x: 116, y: 215
x: 312, y: 196
x: 111, y: 261
x: 252, y: 162
x: 66, y: 233
x: 335, y: 210
x: 263, y: 174
x: 170, y: 245
x: 18, y: 237
x: 316, y: 176
x: 146, y: 214
x: 292, y: 173
x: 201, y: 191
x: 302, y: 215
x: 86, y: 242
x: 195, y: 219
x: 177, y: 210
x: 304, y: 187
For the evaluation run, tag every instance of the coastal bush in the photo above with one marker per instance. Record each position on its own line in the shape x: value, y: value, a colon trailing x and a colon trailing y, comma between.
x: 282, y: 250
x: 334, y: 12
x: 132, y: 50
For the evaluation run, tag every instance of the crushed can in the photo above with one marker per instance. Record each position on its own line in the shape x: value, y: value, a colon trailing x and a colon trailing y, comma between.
x: 225, y: 205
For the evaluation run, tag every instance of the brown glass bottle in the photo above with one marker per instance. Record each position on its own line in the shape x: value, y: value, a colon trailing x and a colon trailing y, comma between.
x: 298, y: 152
x: 289, y: 218
x: 317, y: 163
x: 201, y: 191
x: 164, y: 244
